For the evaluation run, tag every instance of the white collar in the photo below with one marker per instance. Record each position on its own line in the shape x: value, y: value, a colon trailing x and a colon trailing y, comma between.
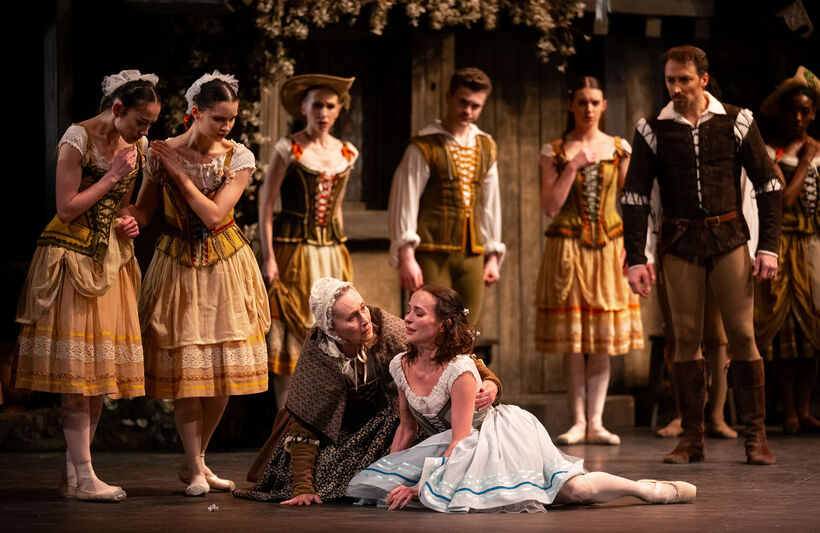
x: 714, y: 108
x: 436, y: 127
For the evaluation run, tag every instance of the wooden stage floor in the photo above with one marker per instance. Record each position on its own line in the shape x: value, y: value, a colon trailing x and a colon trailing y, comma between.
x: 732, y: 496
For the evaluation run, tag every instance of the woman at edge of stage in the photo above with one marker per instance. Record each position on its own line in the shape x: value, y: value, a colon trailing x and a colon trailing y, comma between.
x: 80, y: 335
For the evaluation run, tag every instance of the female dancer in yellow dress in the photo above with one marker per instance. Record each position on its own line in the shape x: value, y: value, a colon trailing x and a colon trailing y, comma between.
x: 81, y: 334
x: 203, y: 308
x: 584, y: 303
x: 787, y: 308
x: 305, y: 241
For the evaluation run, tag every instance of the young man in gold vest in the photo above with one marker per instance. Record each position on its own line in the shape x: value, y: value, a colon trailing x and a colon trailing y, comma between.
x: 445, y: 208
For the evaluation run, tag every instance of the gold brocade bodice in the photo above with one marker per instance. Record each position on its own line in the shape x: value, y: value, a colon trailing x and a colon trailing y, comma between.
x: 589, y: 214
x: 89, y: 233
x: 186, y: 238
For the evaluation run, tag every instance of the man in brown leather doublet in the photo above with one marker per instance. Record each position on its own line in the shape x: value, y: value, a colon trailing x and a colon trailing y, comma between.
x: 695, y: 148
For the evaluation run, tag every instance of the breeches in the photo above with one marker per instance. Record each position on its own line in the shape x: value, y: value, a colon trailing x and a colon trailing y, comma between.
x: 729, y: 278
x: 464, y: 273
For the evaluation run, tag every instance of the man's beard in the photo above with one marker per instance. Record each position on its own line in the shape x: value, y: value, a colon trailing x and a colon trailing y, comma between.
x: 681, y: 106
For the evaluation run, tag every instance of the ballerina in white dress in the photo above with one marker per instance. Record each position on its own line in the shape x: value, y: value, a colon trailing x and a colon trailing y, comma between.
x: 500, y: 459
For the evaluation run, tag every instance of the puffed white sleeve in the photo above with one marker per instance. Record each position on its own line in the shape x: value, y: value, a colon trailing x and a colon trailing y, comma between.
x: 547, y: 150
x: 284, y: 149
x: 76, y: 137
x: 625, y: 146
x: 463, y: 364
x: 242, y: 159
x: 354, y: 152
x: 409, y: 181
x: 396, y: 370
x: 490, y: 215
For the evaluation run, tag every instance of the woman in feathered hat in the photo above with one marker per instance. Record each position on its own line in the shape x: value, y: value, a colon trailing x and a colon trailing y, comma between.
x: 787, y: 308
x: 305, y: 240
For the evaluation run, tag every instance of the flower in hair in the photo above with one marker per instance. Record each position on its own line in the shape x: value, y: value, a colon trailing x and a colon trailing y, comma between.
x: 195, y: 89
x: 465, y: 311
x: 115, y: 81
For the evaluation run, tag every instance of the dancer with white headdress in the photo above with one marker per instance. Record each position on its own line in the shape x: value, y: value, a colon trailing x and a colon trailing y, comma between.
x: 81, y: 336
x: 203, y: 308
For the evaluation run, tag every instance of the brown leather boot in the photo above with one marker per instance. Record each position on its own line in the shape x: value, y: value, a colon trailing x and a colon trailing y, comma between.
x: 750, y: 397
x: 690, y: 382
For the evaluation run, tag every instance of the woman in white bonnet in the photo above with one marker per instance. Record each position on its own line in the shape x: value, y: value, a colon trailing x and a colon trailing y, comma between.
x: 341, y: 411
x: 203, y: 307
x: 81, y: 336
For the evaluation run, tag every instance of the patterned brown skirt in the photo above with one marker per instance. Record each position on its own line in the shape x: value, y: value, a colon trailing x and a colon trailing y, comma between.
x: 335, y: 465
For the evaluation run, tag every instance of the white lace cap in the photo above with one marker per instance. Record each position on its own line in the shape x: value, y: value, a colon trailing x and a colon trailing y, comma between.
x: 194, y: 89
x: 323, y: 295
x: 115, y: 81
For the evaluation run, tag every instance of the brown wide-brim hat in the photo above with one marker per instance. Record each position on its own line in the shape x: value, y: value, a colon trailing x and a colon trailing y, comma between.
x: 803, y: 77
x: 294, y: 89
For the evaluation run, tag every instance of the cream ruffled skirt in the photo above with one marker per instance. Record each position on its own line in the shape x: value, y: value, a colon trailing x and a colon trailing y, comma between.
x: 204, y: 328
x: 584, y: 303
x: 81, y: 332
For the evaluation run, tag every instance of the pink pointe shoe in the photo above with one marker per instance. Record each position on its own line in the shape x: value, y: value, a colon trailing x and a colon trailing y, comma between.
x: 602, y: 436
x: 575, y: 435
x: 214, y: 482
x: 684, y: 492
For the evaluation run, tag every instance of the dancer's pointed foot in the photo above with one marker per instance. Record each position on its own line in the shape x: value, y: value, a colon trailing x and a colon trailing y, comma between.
x: 91, y: 488
x: 214, y: 482
x: 670, y: 491
x: 198, y: 486
x: 575, y: 435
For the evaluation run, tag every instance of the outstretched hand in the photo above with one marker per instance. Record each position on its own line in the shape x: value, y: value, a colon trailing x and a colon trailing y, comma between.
x: 399, y: 497
x: 303, y: 499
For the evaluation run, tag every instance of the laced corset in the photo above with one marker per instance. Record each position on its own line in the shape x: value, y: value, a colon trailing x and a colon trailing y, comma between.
x: 589, y: 211
x: 311, y: 195
x: 89, y: 233
x: 803, y: 216
x: 433, y: 411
